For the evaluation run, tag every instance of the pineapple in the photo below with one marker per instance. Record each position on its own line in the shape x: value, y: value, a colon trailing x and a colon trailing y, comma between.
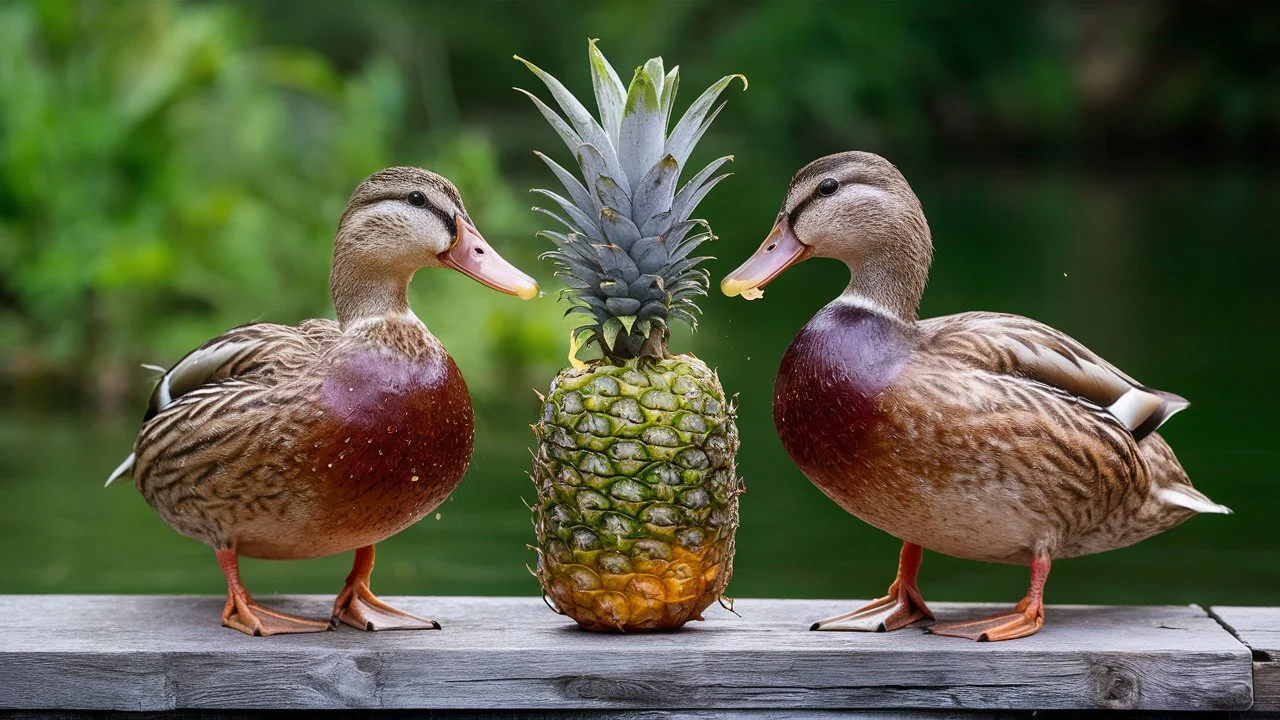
x: 637, y: 492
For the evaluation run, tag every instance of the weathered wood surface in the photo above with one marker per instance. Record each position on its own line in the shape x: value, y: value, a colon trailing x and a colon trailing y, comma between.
x: 159, y: 653
x: 1259, y: 628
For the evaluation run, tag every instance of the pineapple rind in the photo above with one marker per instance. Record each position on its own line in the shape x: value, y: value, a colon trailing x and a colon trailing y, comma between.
x: 637, y: 493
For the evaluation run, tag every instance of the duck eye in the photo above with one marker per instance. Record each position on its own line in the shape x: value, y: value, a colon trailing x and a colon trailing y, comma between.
x: 828, y: 186
x: 417, y: 199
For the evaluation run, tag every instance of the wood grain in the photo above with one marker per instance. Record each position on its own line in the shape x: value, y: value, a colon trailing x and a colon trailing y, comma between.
x: 1259, y: 628
x: 160, y: 653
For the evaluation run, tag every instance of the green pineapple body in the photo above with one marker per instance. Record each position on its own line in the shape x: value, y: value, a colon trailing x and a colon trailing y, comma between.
x: 637, y: 496
x: 637, y: 493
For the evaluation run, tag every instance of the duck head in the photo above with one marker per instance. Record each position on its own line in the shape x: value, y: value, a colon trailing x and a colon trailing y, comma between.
x: 398, y: 221
x: 857, y: 208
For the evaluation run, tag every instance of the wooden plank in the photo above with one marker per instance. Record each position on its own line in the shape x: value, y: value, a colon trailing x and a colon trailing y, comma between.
x: 1259, y: 628
x: 732, y: 714
x: 159, y: 653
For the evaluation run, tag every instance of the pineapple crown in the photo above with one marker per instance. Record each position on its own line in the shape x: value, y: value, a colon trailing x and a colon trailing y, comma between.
x: 626, y: 251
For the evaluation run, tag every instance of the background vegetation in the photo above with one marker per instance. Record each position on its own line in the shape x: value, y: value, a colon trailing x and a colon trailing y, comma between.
x: 168, y: 170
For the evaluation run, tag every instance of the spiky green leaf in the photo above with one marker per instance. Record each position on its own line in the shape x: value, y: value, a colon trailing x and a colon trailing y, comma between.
x: 627, y: 251
x: 586, y: 126
x: 640, y: 138
x: 567, y: 135
x: 581, y: 220
x: 628, y: 321
x: 668, y: 97
x: 684, y: 204
x: 611, y: 94
x: 655, y: 191
x: 610, y: 329
x: 619, y: 228
x: 696, y: 119
x: 580, y: 196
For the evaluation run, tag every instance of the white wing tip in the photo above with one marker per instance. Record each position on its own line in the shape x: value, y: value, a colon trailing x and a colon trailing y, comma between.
x: 1192, y: 500
x: 1135, y: 406
x: 124, y: 469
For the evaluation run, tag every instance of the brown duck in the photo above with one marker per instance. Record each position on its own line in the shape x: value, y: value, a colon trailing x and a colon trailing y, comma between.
x: 286, y: 442
x: 980, y: 435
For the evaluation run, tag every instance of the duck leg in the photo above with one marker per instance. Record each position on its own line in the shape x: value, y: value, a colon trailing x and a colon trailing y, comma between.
x: 358, y: 607
x: 243, y: 614
x: 901, y: 607
x: 1025, y: 620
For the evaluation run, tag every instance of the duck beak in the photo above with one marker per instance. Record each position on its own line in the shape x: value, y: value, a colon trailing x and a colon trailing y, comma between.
x: 473, y: 257
x: 779, y: 251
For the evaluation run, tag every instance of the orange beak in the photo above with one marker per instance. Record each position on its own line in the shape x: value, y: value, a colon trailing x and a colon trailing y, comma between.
x: 473, y: 257
x: 779, y: 251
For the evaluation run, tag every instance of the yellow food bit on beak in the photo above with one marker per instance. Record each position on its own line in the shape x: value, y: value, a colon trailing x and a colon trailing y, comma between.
x: 752, y: 294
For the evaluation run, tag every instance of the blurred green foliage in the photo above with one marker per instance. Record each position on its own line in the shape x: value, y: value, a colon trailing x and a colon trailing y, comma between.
x: 169, y: 170
x: 164, y: 179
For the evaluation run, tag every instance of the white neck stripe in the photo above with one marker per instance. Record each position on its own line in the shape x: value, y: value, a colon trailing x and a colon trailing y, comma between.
x: 851, y: 297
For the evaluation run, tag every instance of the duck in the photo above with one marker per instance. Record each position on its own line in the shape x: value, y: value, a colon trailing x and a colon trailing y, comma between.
x: 980, y: 435
x: 292, y: 442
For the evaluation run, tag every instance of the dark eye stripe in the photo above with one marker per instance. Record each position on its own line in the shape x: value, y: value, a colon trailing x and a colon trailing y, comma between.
x: 801, y: 206
x: 445, y: 218
x: 817, y: 193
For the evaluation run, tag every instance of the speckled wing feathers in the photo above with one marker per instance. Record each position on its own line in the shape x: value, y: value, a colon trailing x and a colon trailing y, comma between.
x: 253, y: 353
x: 250, y: 355
x: 1014, y: 345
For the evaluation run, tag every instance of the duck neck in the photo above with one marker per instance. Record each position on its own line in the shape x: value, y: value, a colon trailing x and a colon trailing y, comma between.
x: 884, y: 287
x: 364, y: 288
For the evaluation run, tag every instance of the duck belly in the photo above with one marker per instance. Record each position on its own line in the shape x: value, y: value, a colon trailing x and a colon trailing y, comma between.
x: 372, y: 445
x: 964, y: 511
x: 953, y: 460
x: 997, y: 484
x: 392, y: 440
x: 355, y: 488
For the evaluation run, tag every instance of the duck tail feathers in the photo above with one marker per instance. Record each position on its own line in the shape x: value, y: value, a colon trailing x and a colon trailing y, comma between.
x: 124, y: 470
x: 1169, y: 406
x: 1191, y: 499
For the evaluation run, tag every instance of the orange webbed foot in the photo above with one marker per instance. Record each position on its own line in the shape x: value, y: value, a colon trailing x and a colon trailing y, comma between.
x: 891, y: 612
x: 250, y: 618
x: 358, y: 607
x: 1026, y: 619
x: 243, y: 614
x: 900, y: 608
x: 1009, y: 626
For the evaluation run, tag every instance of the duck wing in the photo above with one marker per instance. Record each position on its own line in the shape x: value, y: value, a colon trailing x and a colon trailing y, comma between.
x: 1025, y: 350
x: 246, y: 357
x: 1014, y: 345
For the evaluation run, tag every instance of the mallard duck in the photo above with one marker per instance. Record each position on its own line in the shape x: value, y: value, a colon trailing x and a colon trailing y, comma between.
x: 283, y: 442
x: 980, y: 435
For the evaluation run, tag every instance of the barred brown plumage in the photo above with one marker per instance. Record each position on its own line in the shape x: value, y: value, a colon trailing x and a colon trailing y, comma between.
x: 297, y: 442
x: 980, y: 435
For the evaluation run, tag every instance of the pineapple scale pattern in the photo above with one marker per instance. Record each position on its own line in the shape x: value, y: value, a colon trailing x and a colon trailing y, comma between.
x: 638, y: 493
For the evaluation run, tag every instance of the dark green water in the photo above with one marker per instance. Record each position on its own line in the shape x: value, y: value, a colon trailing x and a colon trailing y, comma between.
x: 1169, y: 275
